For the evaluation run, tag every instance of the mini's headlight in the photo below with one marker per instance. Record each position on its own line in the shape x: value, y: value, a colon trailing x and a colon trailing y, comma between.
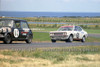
x: 0, y: 30
x: 4, y: 29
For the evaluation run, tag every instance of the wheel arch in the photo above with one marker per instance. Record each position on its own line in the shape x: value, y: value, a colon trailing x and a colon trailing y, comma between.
x: 84, y: 36
x: 71, y: 35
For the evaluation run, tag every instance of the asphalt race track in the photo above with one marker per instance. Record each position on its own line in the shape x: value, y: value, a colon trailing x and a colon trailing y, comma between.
x: 24, y: 46
x: 32, y: 46
x: 94, y: 35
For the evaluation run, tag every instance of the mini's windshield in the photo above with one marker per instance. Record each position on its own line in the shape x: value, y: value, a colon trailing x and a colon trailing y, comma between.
x: 65, y: 29
x: 5, y: 23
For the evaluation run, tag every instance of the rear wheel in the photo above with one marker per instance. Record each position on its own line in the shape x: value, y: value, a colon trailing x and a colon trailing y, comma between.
x: 70, y: 39
x: 29, y: 39
x: 53, y: 41
x: 83, y: 39
x: 7, y: 39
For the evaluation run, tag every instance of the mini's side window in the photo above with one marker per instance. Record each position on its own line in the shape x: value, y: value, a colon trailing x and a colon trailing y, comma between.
x: 24, y: 25
x: 17, y: 24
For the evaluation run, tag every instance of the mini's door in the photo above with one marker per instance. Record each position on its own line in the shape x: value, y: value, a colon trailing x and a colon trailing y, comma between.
x: 17, y: 30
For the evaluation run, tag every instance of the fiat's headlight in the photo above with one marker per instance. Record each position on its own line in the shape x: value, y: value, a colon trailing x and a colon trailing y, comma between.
x: 51, y: 34
x: 64, y: 33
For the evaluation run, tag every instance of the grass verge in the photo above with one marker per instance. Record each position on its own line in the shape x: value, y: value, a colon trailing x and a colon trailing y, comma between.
x: 80, y: 56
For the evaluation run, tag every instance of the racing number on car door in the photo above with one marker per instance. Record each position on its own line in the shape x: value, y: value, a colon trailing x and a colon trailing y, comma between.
x: 77, y: 32
x: 77, y: 35
x: 17, y: 30
x: 16, y: 33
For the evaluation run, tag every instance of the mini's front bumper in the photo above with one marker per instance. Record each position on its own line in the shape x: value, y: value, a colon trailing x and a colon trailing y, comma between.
x: 1, y: 35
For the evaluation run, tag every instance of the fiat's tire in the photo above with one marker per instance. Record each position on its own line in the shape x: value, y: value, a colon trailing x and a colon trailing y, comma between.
x: 7, y: 39
x: 83, y: 39
x: 53, y: 41
x: 29, y: 39
x: 70, y: 39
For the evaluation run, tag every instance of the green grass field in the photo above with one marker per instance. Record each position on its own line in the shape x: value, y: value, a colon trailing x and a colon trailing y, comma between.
x: 79, y: 56
x: 41, y: 36
x: 93, y: 31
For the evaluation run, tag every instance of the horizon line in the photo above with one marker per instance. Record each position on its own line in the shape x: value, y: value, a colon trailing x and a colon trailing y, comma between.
x: 50, y: 11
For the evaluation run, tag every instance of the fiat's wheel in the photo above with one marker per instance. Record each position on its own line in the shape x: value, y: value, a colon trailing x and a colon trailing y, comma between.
x: 7, y: 39
x: 70, y: 39
x: 29, y: 39
x: 53, y: 41
x: 83, y: 39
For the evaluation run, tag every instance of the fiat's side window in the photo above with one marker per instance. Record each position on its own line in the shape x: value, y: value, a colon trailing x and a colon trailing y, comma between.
x: 76, y: 29
x: 79, y: 28
x: 24, y: 25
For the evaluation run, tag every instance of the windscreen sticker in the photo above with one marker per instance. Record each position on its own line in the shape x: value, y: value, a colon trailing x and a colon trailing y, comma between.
x: 16, y: 33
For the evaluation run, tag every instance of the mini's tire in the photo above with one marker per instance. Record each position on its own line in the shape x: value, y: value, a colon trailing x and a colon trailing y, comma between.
x: 29, y: 39
x: 83, y: 39
x: 70, y: 39
x: 7, y: 39
x: 66, y: 40
x: 53, y: 41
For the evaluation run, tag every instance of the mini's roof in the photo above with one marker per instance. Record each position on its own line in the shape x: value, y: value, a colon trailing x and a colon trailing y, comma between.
x: 12, y: 19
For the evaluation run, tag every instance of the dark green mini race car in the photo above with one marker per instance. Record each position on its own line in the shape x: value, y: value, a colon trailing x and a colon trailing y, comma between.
x: 15, y: 30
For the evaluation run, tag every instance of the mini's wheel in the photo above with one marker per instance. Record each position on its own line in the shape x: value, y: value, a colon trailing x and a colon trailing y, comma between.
x: 53, y: 41
x: 70, y: 39
x: 7, y: 39
x: 29, y: 39
x: 66, y: 40
x: 83, y: 39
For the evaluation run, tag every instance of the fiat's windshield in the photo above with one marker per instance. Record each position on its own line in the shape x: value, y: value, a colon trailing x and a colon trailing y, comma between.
x: 65, y: 29
x: 6, y: 23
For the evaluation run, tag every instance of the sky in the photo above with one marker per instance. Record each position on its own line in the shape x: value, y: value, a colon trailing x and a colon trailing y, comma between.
x: 50, y: 5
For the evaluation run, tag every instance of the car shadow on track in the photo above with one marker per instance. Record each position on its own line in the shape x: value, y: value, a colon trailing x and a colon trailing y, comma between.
x: 15, y: 42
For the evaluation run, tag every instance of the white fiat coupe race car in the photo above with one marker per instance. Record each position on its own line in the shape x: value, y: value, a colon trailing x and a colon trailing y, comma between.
x: 68, y: 34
